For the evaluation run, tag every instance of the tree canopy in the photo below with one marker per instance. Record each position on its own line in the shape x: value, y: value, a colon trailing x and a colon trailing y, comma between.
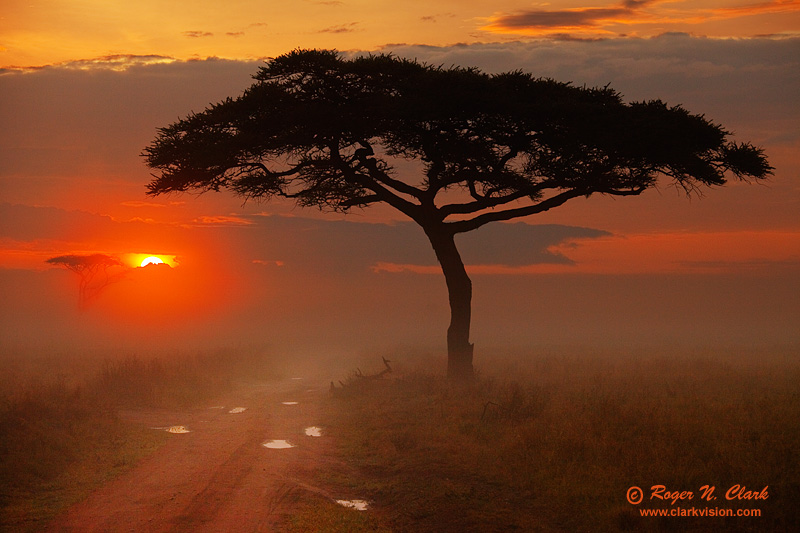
x: 87, y: 267
x: 324, y: 130
x: 329, y: 132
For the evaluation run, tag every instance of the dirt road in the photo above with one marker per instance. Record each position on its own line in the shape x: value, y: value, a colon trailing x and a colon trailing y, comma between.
x: 219, y: 476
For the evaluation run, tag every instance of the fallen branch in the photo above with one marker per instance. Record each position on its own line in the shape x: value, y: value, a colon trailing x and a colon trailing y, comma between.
x: 358, y: 376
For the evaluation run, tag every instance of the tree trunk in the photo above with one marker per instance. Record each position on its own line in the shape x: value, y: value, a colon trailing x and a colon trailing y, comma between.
x: 459, y: 290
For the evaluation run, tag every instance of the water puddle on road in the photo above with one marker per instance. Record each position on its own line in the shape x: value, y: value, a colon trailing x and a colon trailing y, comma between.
x: 237, y: 410
x: 313, y: 431
x: 277, y: 444
x: 358, y: 505
x: 290, y: 403
x: 177, y: 429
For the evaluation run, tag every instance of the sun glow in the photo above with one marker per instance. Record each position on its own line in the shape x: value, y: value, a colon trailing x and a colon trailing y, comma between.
x: 152, y: 260
x: 143, y: 259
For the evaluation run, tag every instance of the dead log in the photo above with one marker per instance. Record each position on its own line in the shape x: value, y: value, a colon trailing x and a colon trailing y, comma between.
x: 358, y: 376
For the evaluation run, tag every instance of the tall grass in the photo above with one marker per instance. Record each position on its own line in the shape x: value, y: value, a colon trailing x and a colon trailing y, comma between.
x: 178, y: 382
x: 556, y: 446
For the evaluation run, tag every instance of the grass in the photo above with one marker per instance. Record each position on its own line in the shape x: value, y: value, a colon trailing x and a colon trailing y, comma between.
x: 329, y: 517
x: 556, y: 447
x: 60, y: 437
x: 550, y: 442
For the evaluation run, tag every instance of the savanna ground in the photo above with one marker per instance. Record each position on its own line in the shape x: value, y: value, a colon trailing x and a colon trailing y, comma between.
x: 549, y: 441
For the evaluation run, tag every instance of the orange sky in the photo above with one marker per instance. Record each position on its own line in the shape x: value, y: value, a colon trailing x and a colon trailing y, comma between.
x: 84, y: 85
x: 54, y: 31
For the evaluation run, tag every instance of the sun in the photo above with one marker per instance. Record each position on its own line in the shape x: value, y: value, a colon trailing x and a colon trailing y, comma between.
x: 152, y: 260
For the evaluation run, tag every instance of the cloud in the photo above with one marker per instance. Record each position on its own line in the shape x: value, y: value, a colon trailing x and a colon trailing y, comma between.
x: 753, y: 265
x: 222, y: 220
x: 557, y: 20
x: 114, y: 62
x: 323, y: 246
x: 437, y: 18
x: 614, y: 18
x: 566, y: 20
x: 773, y: 6
x: 350, y: 27
x: 346, y: 248
x: 197, y: 34
x: 78, y: 120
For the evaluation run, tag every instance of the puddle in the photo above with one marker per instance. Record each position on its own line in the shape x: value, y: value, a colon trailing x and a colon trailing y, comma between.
x: 217, y: 407
x: 358, y: 505
x: 296, y: 379
x: 314, y: 431
x: 177, y: 429
x: 289, y: 403
x: 277, y: 444
x: 236, y: 410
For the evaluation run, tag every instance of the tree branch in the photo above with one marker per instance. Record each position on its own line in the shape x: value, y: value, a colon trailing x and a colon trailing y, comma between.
x: 361, y: 202
x: 484, y: 203
x: 545, y: 205
x: 463, y: 226
x: 363, y: 155
x: 374, y: 185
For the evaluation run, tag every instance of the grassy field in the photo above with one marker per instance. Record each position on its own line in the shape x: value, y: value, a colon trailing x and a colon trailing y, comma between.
x: 544, y: 442
x: 554, y: 442
x: 60, y: 435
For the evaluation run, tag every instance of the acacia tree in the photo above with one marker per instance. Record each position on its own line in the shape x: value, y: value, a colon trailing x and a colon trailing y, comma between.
x: 88, y: 268
x: 328, y: 132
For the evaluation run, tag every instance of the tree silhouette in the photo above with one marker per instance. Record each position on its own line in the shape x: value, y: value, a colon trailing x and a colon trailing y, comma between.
x: 328, y: 132
x: 88, y: 267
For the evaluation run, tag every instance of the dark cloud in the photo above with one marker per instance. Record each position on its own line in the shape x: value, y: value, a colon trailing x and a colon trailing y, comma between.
x: 96, y: 115
x: 558, y: 19
x: 436, y: 18
x: 549, y: 22
x: 342, y: 246
x: 586, y: 17
x: 196, y: 34
x: 353, y: 247
x: 350, y: 27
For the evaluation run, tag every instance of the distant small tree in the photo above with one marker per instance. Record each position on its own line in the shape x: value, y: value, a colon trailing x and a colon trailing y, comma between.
x: 92, y: 270
x: 327, y: 132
